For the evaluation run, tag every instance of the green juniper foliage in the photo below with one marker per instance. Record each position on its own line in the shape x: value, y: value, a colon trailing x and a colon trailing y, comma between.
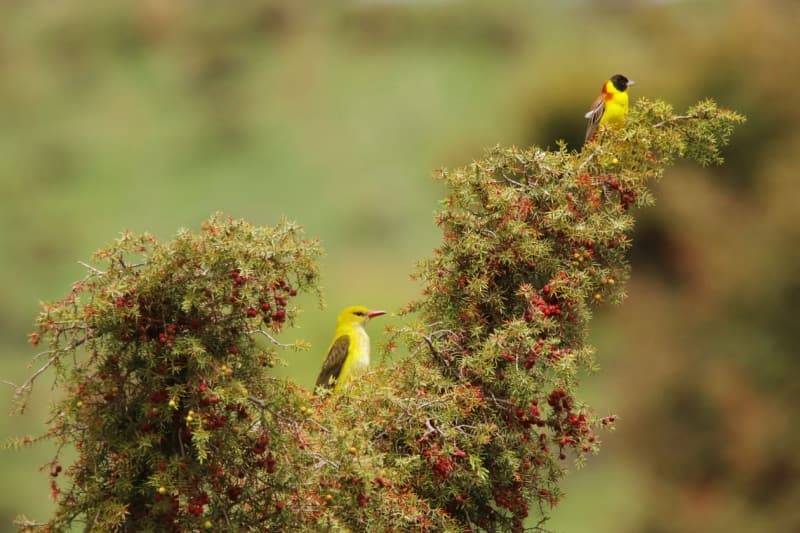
x: 159, y: 405
x: 178, y: 424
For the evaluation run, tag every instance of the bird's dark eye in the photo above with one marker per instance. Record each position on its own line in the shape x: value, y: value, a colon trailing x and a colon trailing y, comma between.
x: 359, y: 313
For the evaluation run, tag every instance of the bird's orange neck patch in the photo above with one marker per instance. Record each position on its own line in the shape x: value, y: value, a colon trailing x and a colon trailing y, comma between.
x: 606, y: 92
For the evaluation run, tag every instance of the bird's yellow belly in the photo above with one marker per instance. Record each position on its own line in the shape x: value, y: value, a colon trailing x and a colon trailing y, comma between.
x: 615, y: 112
x: 358, y: 359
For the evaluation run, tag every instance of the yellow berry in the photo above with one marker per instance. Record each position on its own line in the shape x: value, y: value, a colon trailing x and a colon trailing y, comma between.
x: 615, y: 160
x: 173, y: 404
x: 353, y: 450
x: 329, y: 497
x: 162, y: 490
x: 79, y: 404
x: 611, y: 281
x: 189, y: 418
x: 207, y: 524
x: 598, y: 297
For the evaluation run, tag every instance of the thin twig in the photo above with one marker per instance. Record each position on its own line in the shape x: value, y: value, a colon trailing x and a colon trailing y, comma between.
x: 322, y: 460
x: 513, y: 182
x: 258, y: 401
x: 434, y: 351
x: 90, y: 267
x: 323, y: 428
x: 28, y: 384
x: 674, y: 119
x: 588, y: 160
x: 272, y: 339
x: 180, y: 443
x: 432, y: 428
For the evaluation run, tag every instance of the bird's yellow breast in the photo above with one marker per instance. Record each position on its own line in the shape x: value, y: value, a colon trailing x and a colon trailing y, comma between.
x: 616, y: 105
x: 357, y: 359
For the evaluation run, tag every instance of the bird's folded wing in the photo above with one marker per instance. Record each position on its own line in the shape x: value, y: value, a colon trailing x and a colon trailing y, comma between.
x: 593, y: 116
x: 334, y: 362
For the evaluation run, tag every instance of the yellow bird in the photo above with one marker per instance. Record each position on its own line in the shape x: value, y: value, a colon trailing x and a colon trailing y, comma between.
x: 349, y: 351
x: 611, y: 107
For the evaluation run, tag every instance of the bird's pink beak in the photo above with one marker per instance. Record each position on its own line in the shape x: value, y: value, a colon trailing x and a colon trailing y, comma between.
x: 373, y: 314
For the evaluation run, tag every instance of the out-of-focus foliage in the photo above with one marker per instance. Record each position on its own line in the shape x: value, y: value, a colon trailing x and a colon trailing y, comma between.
x: 713, y: 431
x: 151, y: 115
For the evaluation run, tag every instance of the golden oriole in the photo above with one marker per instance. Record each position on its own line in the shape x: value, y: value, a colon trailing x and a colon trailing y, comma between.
x: 349, y: 351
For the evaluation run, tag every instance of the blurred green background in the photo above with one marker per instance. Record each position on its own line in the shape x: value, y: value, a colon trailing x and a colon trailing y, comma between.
x: 151, y: 115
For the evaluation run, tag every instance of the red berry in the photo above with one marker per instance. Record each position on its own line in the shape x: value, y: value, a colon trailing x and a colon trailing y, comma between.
x: 159, y: 396
x: 195, y: 509
x: 252, y: 312
x: 382, y: 482
x: 234, y: 493
x: 443, y: 467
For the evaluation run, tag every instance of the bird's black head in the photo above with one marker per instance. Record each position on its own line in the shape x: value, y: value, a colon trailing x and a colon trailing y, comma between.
x: 620, y: 82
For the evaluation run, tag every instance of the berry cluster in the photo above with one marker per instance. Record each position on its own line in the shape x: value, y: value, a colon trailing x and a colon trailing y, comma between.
x: 627, y: 196
x: 197, y: 503
x: 544, y: 302
x: 271, y: 304
x: 441, y: 462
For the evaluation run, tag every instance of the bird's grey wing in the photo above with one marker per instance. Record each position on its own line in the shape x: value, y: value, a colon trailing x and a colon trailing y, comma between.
x: 333, y: 362
x: 593, y: 116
